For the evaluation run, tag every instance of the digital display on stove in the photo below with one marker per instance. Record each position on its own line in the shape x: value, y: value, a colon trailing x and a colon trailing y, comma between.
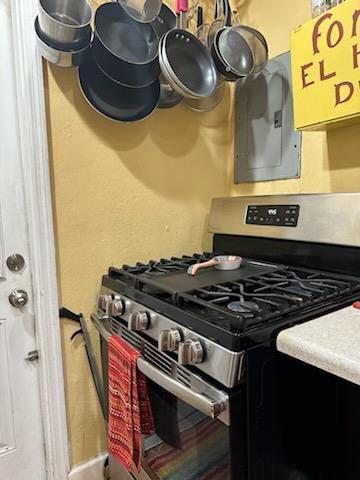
x: 274, y: 215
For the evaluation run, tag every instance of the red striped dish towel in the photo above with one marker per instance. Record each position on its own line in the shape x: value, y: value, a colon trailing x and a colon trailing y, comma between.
x: 129, y: 407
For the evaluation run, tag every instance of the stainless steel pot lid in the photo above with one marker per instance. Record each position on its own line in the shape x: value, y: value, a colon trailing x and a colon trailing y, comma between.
x: 241, y: 50
x: 114, y: 101
x: 125, y: 37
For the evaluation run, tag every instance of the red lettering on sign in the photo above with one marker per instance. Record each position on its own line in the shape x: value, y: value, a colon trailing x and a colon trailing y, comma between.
x: 356, y: 17
x: 356, y: 54
x: 343, y: 92
x: 339, y: 35
x: 316, y: 34
x: 304, y: 75
x: 323, y: 75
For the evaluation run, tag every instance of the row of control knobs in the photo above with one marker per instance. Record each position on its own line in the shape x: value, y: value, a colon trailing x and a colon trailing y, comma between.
x: 190, y: 352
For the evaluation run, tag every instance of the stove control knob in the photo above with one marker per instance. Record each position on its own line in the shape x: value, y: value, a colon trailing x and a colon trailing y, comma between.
x: 169, y: 340
x: 115, y: 308
x: 103, y: 300
x: 139, y: 321
x: 191, y: 352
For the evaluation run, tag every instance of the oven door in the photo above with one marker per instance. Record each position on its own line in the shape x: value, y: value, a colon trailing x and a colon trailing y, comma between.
x: 193, y: 435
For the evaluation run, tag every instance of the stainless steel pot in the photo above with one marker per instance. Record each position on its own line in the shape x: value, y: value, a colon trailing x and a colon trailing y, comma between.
x: 65, y: 21
x: 62, y: 58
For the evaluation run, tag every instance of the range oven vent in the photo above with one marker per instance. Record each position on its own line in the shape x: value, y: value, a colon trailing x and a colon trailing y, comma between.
x: 150, y: 353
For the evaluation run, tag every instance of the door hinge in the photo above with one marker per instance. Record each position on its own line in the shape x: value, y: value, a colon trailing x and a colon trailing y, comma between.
x: 32, y: 356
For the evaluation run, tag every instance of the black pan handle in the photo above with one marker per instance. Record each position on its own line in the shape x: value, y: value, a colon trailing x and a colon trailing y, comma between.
x: 200, y: 17
x: 227, y: 13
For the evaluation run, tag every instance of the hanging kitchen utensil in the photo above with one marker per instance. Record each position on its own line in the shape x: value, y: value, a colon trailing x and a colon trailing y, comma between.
x: 202, y: 28
x: 221, y: 262
x: 209, y: 103
x: 66, y: 22
x: 221, y: 66
x: 144, y: 11
x: 185, y: 62
x: 259, y: 65
x: 124, y: 49
x: 217, y: 24
x: 165, y: 21
x: 113, y: 100
x: 242, y: 51
x: 60, y: 55
x: 65, y: 313
x: 237, y: 51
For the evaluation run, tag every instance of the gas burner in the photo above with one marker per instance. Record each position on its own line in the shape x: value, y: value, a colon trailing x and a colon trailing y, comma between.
x: 243, y: 307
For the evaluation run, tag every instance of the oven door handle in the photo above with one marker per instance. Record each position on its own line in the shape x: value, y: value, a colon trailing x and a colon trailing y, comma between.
x: 204, y: 404
x: 198, y: 401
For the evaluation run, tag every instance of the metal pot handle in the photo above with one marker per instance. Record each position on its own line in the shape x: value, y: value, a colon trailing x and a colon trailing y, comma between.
x: 200, y: 402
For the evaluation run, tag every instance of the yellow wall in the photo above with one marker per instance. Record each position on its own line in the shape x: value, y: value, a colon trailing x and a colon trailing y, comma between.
x: 124, y: 193
x: 330, y: 162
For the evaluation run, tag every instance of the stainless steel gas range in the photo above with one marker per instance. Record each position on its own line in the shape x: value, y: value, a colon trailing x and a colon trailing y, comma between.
x: 226, y: 404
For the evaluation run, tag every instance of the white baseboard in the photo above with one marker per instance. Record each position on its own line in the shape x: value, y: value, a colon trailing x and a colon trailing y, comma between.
x: 90, y: 470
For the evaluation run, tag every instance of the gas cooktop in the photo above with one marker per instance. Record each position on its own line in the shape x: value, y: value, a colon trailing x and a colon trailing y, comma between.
x: 219, y: 304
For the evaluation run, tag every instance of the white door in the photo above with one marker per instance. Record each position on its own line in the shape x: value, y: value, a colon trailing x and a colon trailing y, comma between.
x: 21, y: 436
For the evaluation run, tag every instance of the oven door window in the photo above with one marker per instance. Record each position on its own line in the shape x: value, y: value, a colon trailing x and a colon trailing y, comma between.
x: 186, y: 444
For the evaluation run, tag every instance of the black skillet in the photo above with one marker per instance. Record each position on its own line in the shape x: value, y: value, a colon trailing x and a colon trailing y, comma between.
x: 113, y: 100
x: 125, y: 50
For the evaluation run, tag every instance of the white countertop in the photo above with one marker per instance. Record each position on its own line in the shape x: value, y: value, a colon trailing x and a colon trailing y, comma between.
x: 331, y: 342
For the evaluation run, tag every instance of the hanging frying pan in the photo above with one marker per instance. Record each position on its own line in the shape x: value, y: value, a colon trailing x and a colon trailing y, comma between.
x: 113, y: 100
x: 238, y: 51
x: 124, y: 49
x: 185, y: 61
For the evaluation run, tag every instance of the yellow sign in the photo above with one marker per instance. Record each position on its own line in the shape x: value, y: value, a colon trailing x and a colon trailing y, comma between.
x: 325, y: 56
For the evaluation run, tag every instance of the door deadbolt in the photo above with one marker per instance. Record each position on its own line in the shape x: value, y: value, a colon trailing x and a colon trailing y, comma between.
x: 18, y: 298
x: 15, y: 262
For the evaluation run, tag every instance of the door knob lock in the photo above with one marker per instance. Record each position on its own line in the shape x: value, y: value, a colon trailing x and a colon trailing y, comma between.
x: 18, y: 298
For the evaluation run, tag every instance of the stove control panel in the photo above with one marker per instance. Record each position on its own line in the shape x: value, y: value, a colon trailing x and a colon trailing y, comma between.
x: 273, y: 215
x: 103, y: 300
x: 191, y: 352
x: 189, y: 347
x: 112, y: 304
x: 139, y: 321
x: 169, y: 340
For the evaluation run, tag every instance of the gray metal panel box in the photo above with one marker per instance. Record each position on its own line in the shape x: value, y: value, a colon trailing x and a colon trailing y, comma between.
x: 266, y: 145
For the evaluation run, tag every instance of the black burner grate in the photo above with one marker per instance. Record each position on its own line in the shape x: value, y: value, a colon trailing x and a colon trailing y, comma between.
x: 243, y: 305
x: 257, y: 294
x: 158, y: 268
